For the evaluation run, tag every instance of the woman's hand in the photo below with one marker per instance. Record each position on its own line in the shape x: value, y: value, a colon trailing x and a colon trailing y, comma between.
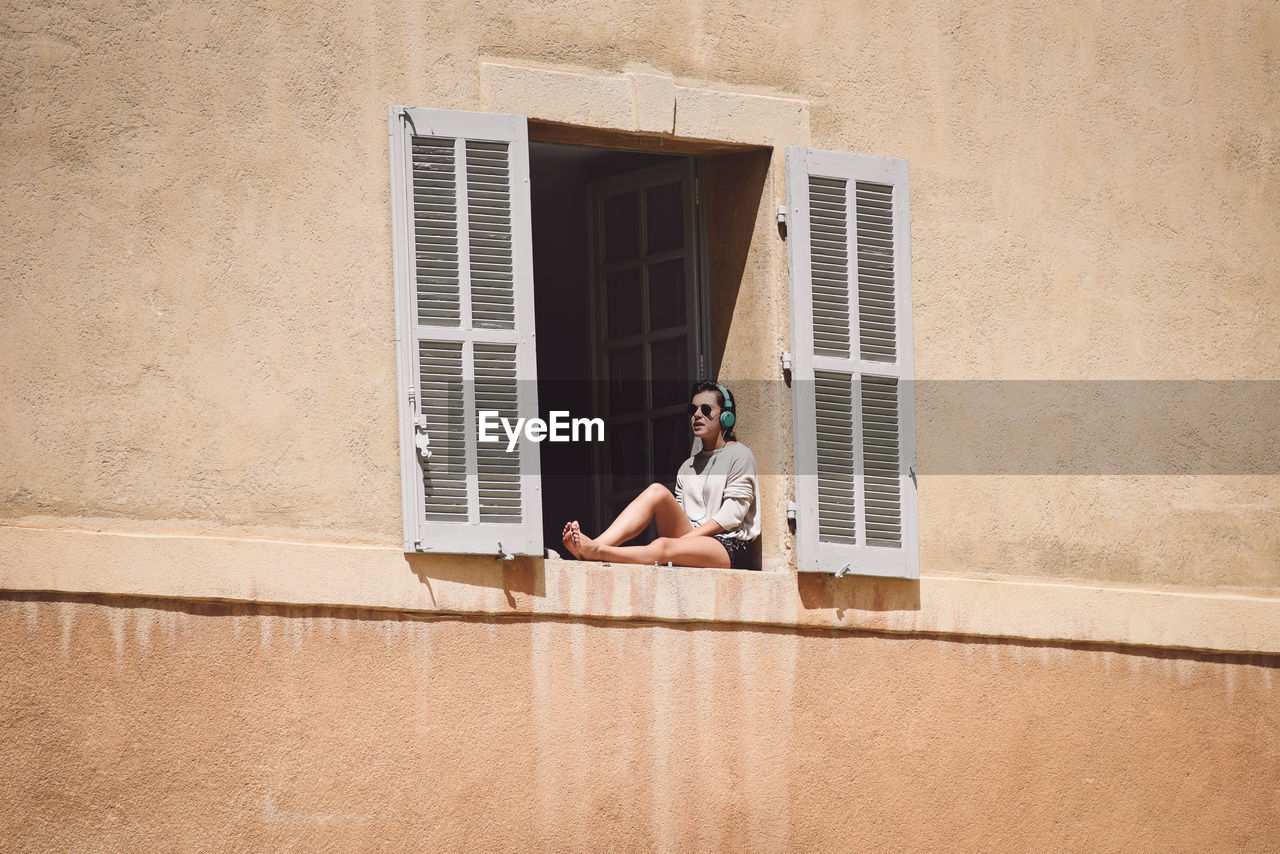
x: 707, y: 529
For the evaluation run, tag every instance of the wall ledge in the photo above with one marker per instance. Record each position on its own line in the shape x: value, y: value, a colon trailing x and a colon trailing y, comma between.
x: 277, y: 572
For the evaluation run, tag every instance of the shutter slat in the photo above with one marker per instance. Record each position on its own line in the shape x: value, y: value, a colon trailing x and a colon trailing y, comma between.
x: 836, y: 482
x: 499, y: 470
x: 829, y: 265
x: 877, y: 322
x: 440, y: 393
x: 435, y: 229
x: 882, y: 479
x: 489, y: 224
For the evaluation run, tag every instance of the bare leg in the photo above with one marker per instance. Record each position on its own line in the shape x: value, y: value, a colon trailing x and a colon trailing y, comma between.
x: 681, y: 551
x: 655, y: 503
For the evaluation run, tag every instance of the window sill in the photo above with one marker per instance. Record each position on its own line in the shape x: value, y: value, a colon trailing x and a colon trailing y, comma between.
x: 223, y: 568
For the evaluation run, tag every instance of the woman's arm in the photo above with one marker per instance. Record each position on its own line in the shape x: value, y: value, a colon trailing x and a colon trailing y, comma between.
x: 739, y: 492
x: 708, y: 528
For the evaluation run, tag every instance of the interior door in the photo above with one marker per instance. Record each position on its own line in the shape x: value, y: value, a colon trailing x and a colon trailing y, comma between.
x: 646, y: 322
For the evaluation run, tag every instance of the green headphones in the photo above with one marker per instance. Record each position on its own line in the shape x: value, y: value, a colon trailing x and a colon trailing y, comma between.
x: 727, y: 418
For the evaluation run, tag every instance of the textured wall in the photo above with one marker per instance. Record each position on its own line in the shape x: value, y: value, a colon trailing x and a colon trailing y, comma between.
x: 198, y: 337
x: 150, y: 726
x: 197, y: 257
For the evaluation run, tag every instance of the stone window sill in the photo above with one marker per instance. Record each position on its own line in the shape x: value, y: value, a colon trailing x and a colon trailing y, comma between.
x: 181, y: 566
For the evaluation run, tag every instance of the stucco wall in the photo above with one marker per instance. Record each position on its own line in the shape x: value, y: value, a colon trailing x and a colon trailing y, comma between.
x: 144, y: 725
x: 197, y: 256
x: 198, y: 372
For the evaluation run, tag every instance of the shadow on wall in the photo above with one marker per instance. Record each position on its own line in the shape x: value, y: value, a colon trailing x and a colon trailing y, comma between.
x: 735, y: 188
x: 861, y: 593
x: 524, y: 576
x: 218, y: 609
x: 521, y: 575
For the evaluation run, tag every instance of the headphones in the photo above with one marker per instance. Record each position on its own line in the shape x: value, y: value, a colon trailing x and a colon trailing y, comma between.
x: 727, y: 418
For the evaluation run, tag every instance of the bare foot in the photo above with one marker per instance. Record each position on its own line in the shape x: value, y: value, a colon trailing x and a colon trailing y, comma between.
x: 569, y: 529
x: 585, y: 545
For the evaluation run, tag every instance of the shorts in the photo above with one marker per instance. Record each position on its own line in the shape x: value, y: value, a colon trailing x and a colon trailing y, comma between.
x: 739, y: 551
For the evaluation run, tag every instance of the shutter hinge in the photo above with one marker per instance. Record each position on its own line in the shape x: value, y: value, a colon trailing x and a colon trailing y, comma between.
x: 782, y: 214
x: 697, y: 191
x: 417, y: 545
x: 421, y: 440
x: 786, y: 361
x: 791, y: 511
x: 912, y: 472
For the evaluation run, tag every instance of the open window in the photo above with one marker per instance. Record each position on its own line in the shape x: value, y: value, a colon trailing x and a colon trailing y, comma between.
x: 637, y: 245
x: 620, y: 299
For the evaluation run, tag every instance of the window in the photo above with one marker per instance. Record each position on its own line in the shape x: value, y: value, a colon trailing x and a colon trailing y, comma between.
x: 620, y: 315
x: 465, y: 336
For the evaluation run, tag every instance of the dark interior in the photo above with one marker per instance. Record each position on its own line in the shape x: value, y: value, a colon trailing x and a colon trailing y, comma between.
x: 560, y: 174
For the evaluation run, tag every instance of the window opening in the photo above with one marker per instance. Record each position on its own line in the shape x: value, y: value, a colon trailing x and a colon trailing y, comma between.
x: 621, y: 325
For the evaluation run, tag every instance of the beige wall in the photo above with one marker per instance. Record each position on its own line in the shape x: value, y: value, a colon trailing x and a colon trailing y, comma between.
x: 159, y: 726
x: 198, y: 310
x: 198, y: 372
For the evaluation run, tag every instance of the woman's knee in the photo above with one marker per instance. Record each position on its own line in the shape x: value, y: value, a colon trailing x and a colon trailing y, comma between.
x: 656, y: 491
x: 666, y: 546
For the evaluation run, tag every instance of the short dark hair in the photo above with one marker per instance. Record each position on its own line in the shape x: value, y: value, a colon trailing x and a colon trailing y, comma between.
x: 707, y: 385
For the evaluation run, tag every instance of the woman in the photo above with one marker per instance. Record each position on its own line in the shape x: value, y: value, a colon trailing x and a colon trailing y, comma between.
x: 713, y: 518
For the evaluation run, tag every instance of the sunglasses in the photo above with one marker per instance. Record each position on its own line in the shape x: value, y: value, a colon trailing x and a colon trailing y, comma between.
x: 693, y: 408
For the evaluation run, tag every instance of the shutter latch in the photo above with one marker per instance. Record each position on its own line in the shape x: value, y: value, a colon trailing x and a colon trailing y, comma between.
x: 912, y: 471
x: 791, y: 511
x: 503, y: 554
x: 786, y: 361
x: 420, y: 437
x: 844, y: 570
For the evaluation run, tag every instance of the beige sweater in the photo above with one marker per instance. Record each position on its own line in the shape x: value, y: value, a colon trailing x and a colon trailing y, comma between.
x: 722, y: 486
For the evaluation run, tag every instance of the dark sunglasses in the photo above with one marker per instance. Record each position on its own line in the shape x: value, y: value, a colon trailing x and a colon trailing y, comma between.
x: 693, y: 408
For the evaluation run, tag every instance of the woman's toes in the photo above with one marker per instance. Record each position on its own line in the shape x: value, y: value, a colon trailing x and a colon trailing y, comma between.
x: 569, y: 544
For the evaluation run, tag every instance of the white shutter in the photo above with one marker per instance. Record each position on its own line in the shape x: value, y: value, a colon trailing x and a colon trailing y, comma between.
x: 848, y: 235
x: 464, y: 323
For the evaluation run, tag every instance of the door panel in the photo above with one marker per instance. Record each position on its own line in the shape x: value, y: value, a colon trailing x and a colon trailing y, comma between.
x: 644, y: 280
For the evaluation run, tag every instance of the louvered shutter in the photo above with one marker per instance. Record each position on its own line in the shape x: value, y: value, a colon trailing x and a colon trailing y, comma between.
x: 465, y: 338
x: 848, y: 235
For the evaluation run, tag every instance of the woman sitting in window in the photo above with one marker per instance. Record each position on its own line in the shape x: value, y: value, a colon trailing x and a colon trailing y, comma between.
x: 714, y: 517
